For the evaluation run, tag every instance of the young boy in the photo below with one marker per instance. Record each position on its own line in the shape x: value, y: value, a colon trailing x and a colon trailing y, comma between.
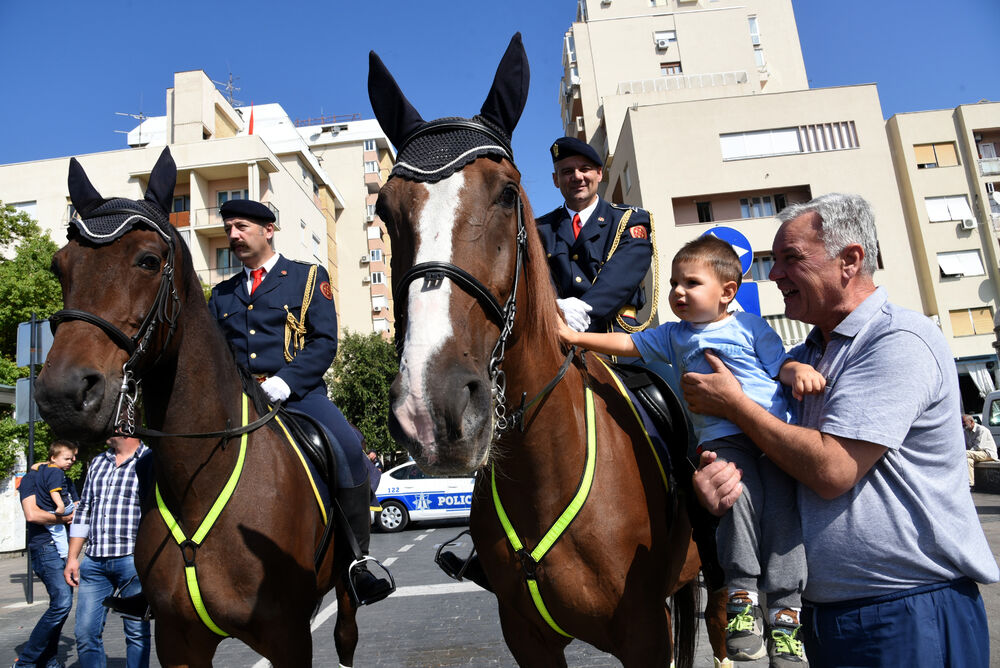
x: 62, y: 493
x: 761, y: 539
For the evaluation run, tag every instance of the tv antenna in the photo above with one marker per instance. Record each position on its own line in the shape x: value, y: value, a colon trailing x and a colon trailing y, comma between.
x: 139, y: 117
x: 230, y: 87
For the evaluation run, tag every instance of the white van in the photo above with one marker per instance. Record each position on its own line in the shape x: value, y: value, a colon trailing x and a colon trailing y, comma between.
x: 991, y: 414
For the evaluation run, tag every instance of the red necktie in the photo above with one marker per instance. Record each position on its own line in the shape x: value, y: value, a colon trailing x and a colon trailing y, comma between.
x: 257, y: 275
x: 576, y: 225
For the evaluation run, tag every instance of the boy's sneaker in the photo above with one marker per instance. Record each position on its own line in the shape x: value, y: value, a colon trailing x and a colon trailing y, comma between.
x: 783, y: 645
x: 744, y: 632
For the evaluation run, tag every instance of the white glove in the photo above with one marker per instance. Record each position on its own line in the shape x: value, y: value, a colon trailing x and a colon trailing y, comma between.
x: 276, y: 389
x: 576, y: 311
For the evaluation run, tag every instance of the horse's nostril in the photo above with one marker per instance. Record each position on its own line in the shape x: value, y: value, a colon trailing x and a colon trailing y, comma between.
x: 91, y: 391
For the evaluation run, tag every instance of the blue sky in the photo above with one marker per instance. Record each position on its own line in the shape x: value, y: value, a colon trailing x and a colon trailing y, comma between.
x: 67, y: 67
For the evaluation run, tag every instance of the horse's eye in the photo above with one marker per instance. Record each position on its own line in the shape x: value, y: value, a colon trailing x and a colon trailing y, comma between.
x: 508, y: 197
x: 149, y: 261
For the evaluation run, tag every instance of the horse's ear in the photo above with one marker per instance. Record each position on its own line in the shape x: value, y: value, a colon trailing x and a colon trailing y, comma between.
x: 393, y: 111
x: 162, y: 180
x: 82, y: 192
x: 509, y: 93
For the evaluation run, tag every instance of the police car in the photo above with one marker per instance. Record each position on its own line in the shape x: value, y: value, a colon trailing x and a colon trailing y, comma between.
x: 406, y: 493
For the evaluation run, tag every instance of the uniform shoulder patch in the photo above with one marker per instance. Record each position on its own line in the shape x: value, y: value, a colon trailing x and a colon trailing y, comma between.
x: 324, y: 287
x: 638, y: 232
x: 625, y: 207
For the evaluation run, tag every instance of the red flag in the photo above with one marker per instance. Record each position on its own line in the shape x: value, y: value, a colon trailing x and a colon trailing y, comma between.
x: 251, y: 119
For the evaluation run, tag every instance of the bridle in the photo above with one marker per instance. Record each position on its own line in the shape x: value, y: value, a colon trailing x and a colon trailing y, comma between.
x: 164, y: 310
x: 435, y: 272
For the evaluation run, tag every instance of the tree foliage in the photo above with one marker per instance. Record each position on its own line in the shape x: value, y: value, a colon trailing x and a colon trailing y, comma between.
x: 26, y: 286
x: 359, y: 383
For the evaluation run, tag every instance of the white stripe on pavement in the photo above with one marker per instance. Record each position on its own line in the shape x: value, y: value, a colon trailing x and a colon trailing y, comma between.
x: 388, y: 562
x: 406, y: 548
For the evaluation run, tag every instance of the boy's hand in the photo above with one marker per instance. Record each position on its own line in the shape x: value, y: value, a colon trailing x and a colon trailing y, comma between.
x: 807, y: 381
x: 566, y: 333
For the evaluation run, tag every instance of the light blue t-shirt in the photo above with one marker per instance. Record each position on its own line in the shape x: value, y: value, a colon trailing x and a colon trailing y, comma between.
x: 910, y: 520
x: 744, y: 342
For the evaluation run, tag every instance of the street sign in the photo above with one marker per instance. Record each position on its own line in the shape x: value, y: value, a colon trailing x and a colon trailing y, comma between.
x: 24, y: 406
x: 43, y: 342
x: 748, y: 298
x: 739, y: 243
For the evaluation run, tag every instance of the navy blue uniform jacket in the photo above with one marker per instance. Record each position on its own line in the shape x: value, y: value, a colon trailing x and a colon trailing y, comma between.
x: 578, y: 266
x: 254, y: 325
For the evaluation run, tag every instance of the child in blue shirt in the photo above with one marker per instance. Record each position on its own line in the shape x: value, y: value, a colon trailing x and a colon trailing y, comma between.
x: 62, y: 495
x: 760, y: 540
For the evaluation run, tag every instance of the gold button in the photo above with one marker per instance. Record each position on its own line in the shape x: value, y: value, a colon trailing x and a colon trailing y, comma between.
x: 250, y: 308
x: 579, y: 280
x: 575, y: 256
x: 253, y: 356
x: 225, y: 315
x: 253, y: 331
x: 548, y: 255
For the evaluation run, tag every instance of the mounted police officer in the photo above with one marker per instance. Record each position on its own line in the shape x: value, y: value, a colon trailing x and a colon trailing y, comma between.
x: 279, y: 318
x: 598, y: 252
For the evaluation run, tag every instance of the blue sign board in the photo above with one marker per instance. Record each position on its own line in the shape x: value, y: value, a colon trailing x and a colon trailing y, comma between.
x: 747, y: 298
x: 739, y: 243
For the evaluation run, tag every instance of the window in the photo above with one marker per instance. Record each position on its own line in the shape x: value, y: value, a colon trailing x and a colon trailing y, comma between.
x: 31, y: 208
x: 370, y: 209
x: 943, y: 209
x: 754, y: 31
x: 181, y: 203
x: 226, y: 195
x: 315, y: 247
x: 374, y: 232
x: 371, y: 167
x: 758, y: 56
x: 226, y: 263
x: 302, y: 232
x: 627, y: 177
x: 760, y: 266
x: 378, y: 278
x: 779, y: 202
x: 785, y: 141
x: 930, y: 156
x: 960, y: 263
x: 369, y: 145
x: 704, y: 212
x: 670, y: 69
x: 971, y: 321
x: 756, y: 207
x: 375, y: 255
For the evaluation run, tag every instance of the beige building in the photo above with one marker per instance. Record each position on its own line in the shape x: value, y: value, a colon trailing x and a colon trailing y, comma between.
x: 948, y: 171
x: 703, y: 113
x: 217, y: 160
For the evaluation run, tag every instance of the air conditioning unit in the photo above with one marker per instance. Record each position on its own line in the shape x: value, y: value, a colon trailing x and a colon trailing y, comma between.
x: 969, y: 224
x: 377, y: 309
x: 662, y: 43
x: 366, y: 280
x: 365, y: 259
x: 370, y: 218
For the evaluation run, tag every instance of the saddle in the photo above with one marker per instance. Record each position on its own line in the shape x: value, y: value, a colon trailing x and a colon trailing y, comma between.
x: 670, y: 417
x: 314, y: 440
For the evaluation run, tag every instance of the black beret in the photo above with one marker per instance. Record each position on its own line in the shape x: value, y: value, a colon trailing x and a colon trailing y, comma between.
x: 564, y: 147
x: 246, y: 208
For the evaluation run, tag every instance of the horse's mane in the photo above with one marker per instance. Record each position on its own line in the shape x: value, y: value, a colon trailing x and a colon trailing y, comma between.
x: 540, y: 321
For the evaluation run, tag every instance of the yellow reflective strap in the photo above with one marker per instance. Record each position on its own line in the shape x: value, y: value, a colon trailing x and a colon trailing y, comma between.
x: 567, y: 516
x: 552, y: 535
x: 199, y: 606
x: 168, y: 518
x: 305, y: 466
x: 227, y: 491
x: 536, y: 596
x: 628, y: 399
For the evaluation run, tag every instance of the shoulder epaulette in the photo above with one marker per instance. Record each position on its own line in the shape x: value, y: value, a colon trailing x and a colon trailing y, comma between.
x: 626, y: 207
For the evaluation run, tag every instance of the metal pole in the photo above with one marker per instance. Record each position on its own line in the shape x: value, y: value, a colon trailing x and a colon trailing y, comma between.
x: 35, y: 347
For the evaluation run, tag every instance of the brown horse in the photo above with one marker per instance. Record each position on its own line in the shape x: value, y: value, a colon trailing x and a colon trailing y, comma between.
x: 133, y: 314
x: 476, y: 323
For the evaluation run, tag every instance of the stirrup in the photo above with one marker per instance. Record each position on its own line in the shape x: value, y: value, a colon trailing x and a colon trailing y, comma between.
x: 128, y: 606
x: 461, y: 569
x: 359, y: 566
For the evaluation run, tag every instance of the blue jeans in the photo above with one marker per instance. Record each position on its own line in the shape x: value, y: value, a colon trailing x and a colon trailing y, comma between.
x: 43, y: 644
x: 99, y: 578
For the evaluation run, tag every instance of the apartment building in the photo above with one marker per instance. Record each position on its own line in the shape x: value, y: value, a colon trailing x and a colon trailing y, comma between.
x: 359, y: 157
x: 218, y: 159
x: 948, y: 171
x: 703, y: 113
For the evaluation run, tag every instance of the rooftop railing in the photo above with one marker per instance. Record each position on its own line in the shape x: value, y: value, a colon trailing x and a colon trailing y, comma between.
x: 682, y: 82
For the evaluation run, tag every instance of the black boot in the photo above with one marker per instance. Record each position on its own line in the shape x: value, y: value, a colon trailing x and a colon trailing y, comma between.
x: 452, y: 564
x: 134, y: 607
x: 366, y: 587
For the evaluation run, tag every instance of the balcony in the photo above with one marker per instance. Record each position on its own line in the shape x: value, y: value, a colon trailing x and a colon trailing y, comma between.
x: 217, y: 275
x: 180, y: 218
x: 373, y: 181
x: 682, y: 82
x: 989, y: 167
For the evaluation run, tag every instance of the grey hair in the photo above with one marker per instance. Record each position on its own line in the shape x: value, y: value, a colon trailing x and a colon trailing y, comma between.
x: 844, y: 219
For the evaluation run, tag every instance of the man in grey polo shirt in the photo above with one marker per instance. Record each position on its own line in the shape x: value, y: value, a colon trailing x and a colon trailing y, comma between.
x: 894, y: 550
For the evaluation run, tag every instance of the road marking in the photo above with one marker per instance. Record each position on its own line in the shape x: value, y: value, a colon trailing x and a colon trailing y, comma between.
x: 406, y: 547
x: 431, y: 590
x: 421, y: 537
x: 429, y: 530
x: 388, y: 562
x: 14, y: 606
